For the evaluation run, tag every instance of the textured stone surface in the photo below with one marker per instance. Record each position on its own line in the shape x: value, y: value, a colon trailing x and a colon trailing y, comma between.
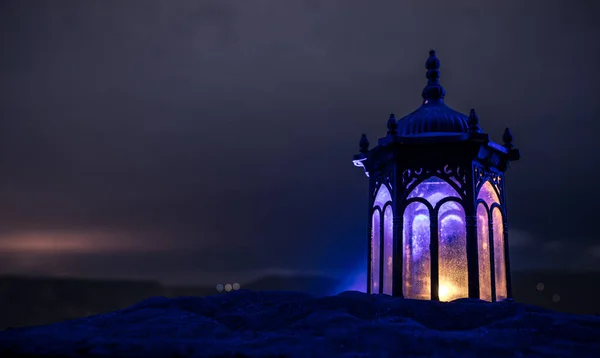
x: 351, y: 324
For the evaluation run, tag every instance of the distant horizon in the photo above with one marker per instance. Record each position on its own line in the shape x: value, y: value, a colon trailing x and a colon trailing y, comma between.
x: 271, y: 274
x: 246, y: 280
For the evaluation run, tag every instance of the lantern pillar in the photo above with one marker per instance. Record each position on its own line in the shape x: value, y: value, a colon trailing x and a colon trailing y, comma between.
x: 472, y: 253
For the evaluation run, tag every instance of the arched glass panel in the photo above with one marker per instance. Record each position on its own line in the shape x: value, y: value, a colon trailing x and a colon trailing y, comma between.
x: 453, y: 270
x: 383, y: 197
x: 499, y: 262
x: 418, y: 237
x: 488, y: 194
x: 388, y: 246
x: 375, y: 251
x: 377, y: 237
x: 433, y: 190
x: 483, y: 248
x: 417, y: 258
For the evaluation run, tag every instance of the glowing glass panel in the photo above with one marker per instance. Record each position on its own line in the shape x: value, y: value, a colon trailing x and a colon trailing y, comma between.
x: 499, y: 263
x: 375, y: 251
x: 453, y: 271
x: 433, y: 190
x: 417, y: 259
x: 483, y: 239
x: 388, y: 246
x: 383, y: 197
x: 488, y: 194
x: 452, y: 232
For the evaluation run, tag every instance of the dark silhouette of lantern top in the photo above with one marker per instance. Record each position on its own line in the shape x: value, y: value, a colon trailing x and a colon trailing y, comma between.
x: 437, y: 208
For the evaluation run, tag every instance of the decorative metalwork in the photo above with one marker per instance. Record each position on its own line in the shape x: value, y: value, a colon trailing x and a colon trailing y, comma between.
x: 386, y: 178
x: 454, y: 175
x: 482, y: 175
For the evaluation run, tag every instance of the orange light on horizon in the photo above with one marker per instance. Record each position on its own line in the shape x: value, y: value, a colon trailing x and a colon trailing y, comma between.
x: 57, y: 242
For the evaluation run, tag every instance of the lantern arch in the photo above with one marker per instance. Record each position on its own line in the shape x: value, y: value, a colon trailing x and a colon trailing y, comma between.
x: 382, y: 242
x: 493, y: 285
x: 442, y: 249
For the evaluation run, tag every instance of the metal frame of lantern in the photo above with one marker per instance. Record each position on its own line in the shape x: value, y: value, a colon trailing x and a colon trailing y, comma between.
x: 466, y: 162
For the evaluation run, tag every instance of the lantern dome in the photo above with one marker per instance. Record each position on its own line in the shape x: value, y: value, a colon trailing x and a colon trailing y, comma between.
x: 434, y: 117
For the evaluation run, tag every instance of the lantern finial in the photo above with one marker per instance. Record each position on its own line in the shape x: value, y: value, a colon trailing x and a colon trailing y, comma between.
x: 392, y: 125
x: 364, y: 144
x: 474, y: 122
x: 507, y: 138
x: 433, y: 90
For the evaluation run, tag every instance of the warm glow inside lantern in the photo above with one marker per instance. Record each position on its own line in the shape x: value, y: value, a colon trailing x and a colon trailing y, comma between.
x: 437, y: 204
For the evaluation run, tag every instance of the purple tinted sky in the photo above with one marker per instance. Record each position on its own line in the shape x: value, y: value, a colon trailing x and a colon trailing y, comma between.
x: 202, y: 141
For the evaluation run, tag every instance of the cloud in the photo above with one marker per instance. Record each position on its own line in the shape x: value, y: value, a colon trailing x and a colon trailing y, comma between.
x: 231, y: 125
x: 554, y: 246
x: 520, y: 238
x: 594, y: 251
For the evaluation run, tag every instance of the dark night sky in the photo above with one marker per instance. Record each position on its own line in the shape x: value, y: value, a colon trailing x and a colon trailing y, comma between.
x: 207, y: 141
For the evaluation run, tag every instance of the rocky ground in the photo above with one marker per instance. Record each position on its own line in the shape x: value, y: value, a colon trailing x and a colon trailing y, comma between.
x: 291, y: 324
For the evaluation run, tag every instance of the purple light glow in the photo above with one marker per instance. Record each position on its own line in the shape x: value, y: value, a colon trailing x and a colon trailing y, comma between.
x: 382, y: 198
x: 388, y: 245
x: 453, y: 271
x: 433, y: 190
x: 485, y: 276
x: 417, y: 261
x: 499, y: 266
x: 489, y: 195
x: 375, y: 251
x: 452, y: 235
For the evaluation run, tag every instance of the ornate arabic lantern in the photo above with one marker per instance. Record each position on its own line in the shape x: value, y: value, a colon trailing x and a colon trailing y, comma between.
x: 437, y: 207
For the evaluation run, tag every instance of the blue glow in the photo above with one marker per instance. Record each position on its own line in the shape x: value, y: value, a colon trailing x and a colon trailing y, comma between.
x: 355, y: 281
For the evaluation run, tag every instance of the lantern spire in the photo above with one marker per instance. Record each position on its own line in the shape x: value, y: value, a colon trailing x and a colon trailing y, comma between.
x: 433, y: 91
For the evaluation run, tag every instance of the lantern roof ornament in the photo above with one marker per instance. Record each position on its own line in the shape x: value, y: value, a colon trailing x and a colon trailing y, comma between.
x: 434, y: 123
x: 474, y: 122
x: 363, y: 143
x: 392, y: 125
x: 434, y: 117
